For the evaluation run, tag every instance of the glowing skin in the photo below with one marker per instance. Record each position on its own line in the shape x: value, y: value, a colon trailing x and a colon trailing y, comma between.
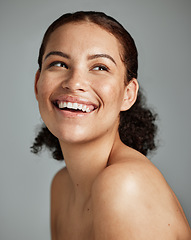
x: 107, y: 190
x: 82, y: 64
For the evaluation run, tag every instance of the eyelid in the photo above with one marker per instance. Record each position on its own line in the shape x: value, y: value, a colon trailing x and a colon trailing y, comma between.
x: 105, y: 68
x: 52, y: 64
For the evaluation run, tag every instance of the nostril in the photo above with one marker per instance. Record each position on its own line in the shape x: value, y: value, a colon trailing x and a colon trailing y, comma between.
x: 73, y: 88
x: 82, y: 90
x: 76, y: 81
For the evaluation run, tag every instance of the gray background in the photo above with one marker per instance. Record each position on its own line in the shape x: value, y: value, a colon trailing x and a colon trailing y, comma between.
x: 162, y: 32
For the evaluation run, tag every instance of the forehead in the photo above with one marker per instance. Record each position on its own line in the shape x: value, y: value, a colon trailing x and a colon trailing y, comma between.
x: 85, y: 35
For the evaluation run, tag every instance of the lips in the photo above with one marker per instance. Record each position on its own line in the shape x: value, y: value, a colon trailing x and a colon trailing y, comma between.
x: 75, y: 104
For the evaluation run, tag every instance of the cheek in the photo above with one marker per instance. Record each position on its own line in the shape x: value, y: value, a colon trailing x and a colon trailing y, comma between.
x: 111, y: 93
x: 44, y: 87
x: 44, y: 92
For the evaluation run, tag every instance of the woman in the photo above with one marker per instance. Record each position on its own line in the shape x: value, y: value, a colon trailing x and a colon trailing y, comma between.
x: 87, y: 91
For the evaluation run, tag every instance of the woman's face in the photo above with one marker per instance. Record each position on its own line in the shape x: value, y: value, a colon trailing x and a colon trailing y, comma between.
x: 80, y: 89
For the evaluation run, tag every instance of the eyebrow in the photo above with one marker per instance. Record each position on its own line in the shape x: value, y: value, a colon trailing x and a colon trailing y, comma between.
x: 91, y: 57
x: 57, y: 53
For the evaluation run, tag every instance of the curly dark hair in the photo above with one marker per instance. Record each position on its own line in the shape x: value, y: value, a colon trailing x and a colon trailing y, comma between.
x: 137, y: 128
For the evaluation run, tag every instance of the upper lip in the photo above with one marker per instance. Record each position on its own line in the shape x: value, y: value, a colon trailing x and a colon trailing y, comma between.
x: 74, y: 99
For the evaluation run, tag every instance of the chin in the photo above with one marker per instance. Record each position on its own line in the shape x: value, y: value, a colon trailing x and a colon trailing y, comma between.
x: 72, y: 135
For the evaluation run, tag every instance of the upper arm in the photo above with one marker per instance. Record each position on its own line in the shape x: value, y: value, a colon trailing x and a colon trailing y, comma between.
x: 135, y: 204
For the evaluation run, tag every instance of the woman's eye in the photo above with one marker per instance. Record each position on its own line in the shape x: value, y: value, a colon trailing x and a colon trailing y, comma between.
x: 100, y: 68
x: 59, y: 64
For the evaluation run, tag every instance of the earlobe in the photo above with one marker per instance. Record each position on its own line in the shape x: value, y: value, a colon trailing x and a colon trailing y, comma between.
x: 35, y: 84
x: 130, y: 94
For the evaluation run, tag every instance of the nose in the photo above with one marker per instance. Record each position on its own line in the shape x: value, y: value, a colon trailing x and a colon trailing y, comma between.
x: 76, y: 81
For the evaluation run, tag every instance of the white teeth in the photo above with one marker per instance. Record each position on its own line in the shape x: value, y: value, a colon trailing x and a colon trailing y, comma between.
x: 84, y: 108
x: 69, y: 105
x: 61, y: 105
x: 80, y: 106
x: 75, y: 106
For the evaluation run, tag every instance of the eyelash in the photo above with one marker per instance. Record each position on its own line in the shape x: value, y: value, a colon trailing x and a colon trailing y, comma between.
x: 103, y: 67
x: 55, y: 64
x: 62, y: 64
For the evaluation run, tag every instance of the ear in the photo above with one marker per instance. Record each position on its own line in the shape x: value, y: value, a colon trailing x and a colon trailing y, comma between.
x: 130, y: 94
x: 37, y: 76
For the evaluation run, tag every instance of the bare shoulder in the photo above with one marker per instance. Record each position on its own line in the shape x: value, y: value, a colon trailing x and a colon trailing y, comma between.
x: 133, y: 195
x: 60, y: 188
x: 59, y: 191
x: 59, y: 178
x: 133, y: 177
x: 131, y: 173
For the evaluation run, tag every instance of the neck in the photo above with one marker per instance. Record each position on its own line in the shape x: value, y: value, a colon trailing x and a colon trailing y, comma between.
x: 85, y: 161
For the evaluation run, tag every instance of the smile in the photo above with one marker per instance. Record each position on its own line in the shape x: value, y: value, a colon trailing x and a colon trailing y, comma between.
x: 63, y: 105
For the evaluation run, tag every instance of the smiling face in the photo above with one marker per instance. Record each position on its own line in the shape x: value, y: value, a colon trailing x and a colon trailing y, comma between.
x: 80, y: 89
